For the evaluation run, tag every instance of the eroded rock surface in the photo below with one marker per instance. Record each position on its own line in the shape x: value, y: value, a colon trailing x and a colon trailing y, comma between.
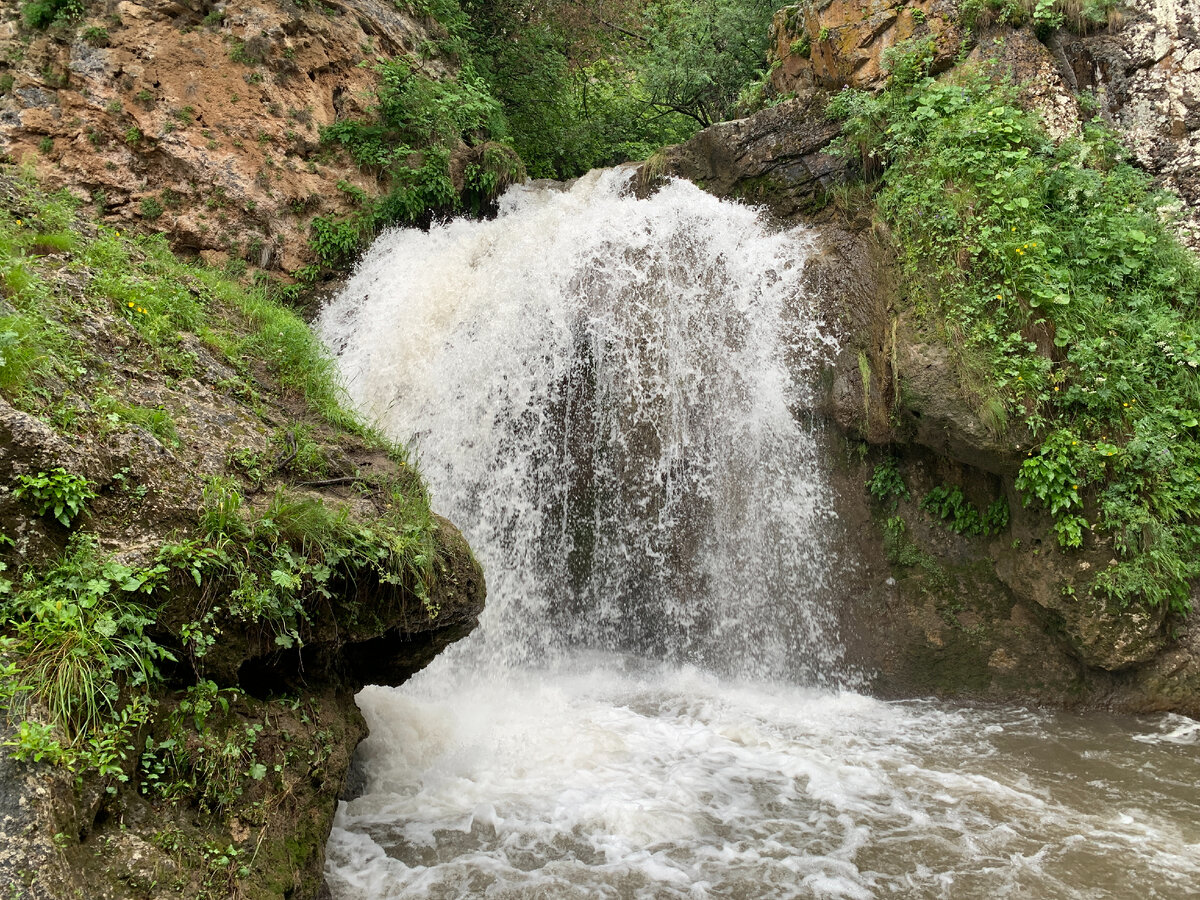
x: 202, y: 119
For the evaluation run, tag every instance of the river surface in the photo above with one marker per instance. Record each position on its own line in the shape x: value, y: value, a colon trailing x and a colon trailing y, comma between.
x: 608, y: 396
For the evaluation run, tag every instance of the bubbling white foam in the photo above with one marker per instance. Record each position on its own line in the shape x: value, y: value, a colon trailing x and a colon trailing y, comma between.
x: 618, y: 778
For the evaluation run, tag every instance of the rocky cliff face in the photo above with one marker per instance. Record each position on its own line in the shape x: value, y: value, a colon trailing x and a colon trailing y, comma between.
x: 201, y: 119
x: 927, y: 609
x: 1140, y: 71
x: 227, y: 780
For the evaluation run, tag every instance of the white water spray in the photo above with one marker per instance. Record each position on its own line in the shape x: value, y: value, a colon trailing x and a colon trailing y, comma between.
x: 607, y: 397
x: 605, y: 393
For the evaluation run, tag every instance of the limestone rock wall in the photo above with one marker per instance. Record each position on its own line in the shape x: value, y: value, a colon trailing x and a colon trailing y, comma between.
x: 1141, y: 71
x: 199, y: 118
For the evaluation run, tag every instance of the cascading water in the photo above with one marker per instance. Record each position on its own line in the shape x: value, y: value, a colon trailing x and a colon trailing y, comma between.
x: 608, y: 397
x: 604, y: 393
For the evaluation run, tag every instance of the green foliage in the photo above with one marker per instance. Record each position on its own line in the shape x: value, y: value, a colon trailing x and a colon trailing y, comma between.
x: 272, y: 568
x: 1045, y: 15
x: 156, y: 421
x: 56, y: 492
x: 584, y: 87
x: 1050, y: 269
x: 207, y: 754
x: 415, y: 125
x: 700, y: 53
x: 96, y: 36
x: 897, y: 545
x: 151, y: 208
x: 963, y: 517
x: 44, y: 13
x: 80, y: 644
x: 886, y: 484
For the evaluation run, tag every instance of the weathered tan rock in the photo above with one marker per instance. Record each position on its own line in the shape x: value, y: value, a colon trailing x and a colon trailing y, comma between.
x: 833, y: 44
x: 208, y: 132
x: 1145, y: 74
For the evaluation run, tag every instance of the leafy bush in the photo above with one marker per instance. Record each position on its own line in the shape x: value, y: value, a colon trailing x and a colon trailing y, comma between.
x: 58, y: 492
x: 1049, y: 268
x: 207, y: 753
x: 80, y: 645
x: 963, y: 517
x: 44, y: 13
x: 584, y: 88
x: 701, y: 53
x: 886, y: 484
x: 416, y: 123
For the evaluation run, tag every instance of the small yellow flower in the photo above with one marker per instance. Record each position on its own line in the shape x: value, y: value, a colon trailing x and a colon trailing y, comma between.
x: 1056, y: 388
x: 19, y: 222
x: 130, y: 304
x: 1074, y: 487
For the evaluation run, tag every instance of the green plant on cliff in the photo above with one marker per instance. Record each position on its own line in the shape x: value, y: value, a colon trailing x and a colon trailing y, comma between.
x: 1053, y: 272
x: 961, y: 516
x: 1045, y: 15
x: 270, y: 569
x: 44, y: 13
x: 587, y: 85
x: 886, y: 484
x: 407, y: 140
x: 79, y: 645
x: 56, y: 492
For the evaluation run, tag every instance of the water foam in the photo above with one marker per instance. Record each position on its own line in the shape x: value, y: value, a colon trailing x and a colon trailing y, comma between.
x: 620, y: 778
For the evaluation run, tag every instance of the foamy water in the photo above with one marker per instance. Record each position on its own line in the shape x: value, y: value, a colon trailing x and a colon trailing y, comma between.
x: 622, y: 779
x: 608, y: 398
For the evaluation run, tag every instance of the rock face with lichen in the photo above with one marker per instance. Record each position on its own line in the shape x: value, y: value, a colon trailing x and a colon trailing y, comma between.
x: 201, y: 119
x: 926, y: 609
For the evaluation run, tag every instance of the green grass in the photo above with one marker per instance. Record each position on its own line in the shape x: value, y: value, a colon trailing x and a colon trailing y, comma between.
x: 1072, y: 307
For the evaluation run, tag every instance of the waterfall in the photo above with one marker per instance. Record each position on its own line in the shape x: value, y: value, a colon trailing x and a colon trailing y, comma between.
x: 607, y: 395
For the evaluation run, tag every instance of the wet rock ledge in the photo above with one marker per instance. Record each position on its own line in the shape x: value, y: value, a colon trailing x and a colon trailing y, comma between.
x: 926, y: 610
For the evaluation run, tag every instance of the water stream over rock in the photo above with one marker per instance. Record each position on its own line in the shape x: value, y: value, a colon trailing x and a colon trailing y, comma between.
x: 607, y: 395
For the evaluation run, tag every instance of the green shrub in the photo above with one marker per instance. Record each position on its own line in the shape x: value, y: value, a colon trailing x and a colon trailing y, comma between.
x: 56, y: 492
x: 963, y: 517
x: 44, y: 13
x: 97, y: 37
x: 151, y: 208
x: 886, y: 484
x: 80, y: 645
